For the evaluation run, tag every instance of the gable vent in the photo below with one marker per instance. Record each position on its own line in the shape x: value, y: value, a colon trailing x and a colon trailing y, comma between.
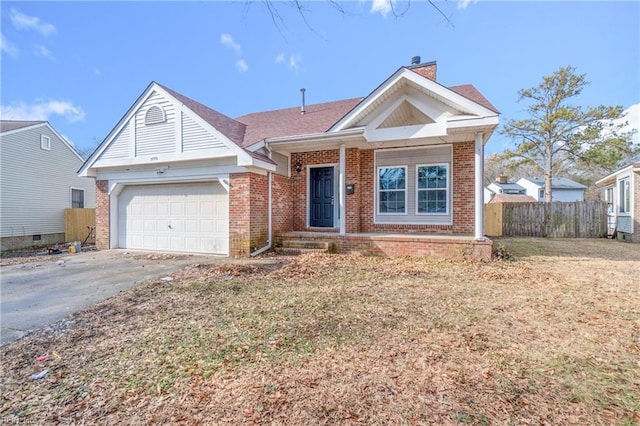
x: 154, y: 115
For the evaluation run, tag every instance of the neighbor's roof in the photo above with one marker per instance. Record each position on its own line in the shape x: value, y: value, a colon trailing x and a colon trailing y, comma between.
x: 557, y: 183
x: 9, y: 125
x: 317, y: 118
x: 512, y: 198
x: 509, y: 186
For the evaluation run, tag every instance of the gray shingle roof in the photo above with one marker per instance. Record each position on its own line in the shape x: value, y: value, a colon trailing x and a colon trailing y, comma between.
x: 558, y: 183
x: 8, y: 125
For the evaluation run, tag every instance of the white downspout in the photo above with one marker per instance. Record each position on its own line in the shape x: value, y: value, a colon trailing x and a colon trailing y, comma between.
x: 269, y: 236
x: 479, y: 185
x: 341, y: 182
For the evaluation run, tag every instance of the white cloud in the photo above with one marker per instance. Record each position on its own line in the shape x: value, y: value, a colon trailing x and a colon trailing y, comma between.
x: 242, y: 66
x: 7, y: 47
x: 382, y: 6
x: 42, y: 110
x: 25, y: 22
x: 227, y: 40
x: 294, y: 61
x: 462, y: 4
x: 40, y: 50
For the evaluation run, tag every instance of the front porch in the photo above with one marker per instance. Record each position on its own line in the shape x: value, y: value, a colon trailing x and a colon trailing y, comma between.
x: 456, y: 247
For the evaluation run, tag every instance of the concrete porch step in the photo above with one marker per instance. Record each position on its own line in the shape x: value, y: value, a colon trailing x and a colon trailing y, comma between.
x: 300, y: 246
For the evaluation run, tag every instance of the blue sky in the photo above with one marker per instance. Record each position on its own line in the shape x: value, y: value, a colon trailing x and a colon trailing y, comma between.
x: 81, y: 65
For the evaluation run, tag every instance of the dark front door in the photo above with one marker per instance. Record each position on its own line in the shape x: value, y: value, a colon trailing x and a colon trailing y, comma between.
x: 321, y: 196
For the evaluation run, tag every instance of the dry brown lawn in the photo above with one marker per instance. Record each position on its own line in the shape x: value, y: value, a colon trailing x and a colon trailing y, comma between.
x: 551, y: 337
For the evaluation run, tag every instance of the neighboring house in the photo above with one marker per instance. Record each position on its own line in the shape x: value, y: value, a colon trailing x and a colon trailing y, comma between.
x: 38, y: 180
x: 385, y: 174
x: 562, y: 189
x: 502, y: 186
x: 622, y: 192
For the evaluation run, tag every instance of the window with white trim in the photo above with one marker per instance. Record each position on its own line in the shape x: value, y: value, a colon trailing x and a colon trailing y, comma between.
x: 392, y: 190
x: 77, y: 198
x: 45, y: 142
x: 625, y: 195
x: 433, y: 189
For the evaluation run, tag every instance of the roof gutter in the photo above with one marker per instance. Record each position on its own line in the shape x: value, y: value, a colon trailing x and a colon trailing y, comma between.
x: 324, y: 136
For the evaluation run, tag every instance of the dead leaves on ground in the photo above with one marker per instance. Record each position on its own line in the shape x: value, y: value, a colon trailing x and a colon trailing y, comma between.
x: 320, y: 339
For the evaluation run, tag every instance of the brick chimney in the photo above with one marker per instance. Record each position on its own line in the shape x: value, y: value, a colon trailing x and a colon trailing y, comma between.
x: 427, y: 69
x: 502, y: 179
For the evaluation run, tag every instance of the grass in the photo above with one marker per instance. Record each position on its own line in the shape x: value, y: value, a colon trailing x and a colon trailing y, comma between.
x: 550, y: 337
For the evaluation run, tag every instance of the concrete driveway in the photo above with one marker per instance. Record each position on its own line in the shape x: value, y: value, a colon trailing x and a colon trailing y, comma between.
x: 33, y: 295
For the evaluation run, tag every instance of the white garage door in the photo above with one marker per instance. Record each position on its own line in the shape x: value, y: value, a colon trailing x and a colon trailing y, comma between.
x: 190, y: 218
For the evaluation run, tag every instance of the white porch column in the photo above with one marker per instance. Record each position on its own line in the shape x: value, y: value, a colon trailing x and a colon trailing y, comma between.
x: 341, y: 182
x: 479, y: 187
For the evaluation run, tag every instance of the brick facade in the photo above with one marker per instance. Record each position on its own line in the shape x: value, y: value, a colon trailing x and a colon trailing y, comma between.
x: 359, y: 205
x: 103, y: 207
x: 248, y: 208
x: 248, y: 213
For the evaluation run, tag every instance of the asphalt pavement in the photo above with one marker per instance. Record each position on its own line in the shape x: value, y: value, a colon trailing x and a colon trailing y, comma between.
x: 34, y: 295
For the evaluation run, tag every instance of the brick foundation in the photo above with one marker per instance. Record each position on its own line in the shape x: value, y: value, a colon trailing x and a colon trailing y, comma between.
x: 394, y: 245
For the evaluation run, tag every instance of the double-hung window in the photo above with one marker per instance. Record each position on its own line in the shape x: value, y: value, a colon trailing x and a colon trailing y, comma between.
x: 433, y: 188
x: 392, y: 190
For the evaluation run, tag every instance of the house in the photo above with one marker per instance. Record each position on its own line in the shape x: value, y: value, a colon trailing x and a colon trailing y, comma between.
x: 622, y: 192
x: 562, y: 189
x: 502, y: 186
x: 399, y: 172
x: 38, y: 180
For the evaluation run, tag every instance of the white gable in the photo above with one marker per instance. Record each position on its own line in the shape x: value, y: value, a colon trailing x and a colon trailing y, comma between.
x: 158, y: 128
x: 409, y: 106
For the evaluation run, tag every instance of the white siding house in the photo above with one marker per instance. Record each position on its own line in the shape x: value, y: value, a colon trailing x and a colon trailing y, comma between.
x: 562, y: 189
x: 38, y: 178
x: 622, y: 192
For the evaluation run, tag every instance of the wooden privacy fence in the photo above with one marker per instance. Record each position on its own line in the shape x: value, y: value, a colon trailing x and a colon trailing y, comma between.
x: 580, y: 219
x: 76, y: 223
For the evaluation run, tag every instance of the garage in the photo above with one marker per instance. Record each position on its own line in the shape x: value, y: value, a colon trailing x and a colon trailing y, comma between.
x: 191, y: 218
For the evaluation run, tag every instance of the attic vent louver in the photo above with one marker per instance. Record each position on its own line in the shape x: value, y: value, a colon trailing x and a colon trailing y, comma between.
x: 154, y: 115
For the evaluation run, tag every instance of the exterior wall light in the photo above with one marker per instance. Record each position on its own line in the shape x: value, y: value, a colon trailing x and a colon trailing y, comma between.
x: 298, y: 167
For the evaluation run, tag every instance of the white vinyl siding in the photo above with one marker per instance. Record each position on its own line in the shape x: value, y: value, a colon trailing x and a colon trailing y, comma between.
x: 411, y: 159
x: 36, y: 184
x: 119, y: 148
x: 195, y: 137
x: 158, y: 138
x: 282, y: 163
